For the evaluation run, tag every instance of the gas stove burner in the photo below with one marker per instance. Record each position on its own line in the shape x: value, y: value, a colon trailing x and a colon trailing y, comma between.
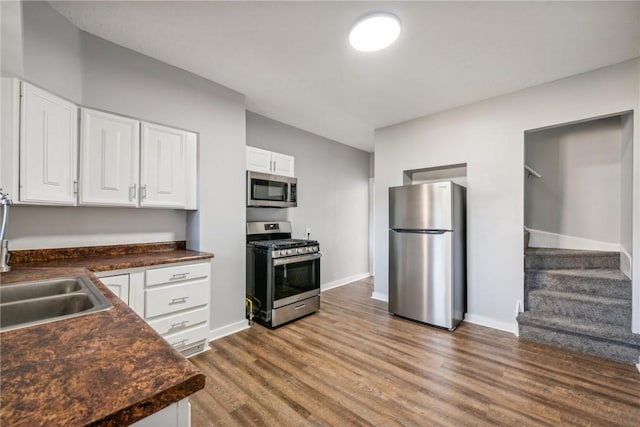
x: 283, y: 243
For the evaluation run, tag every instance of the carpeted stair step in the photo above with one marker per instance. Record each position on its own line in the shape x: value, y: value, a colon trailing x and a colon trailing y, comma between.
x: 547, y: 258
x: 600, y: 282
x: 613, y: 342
x: 614, y: 311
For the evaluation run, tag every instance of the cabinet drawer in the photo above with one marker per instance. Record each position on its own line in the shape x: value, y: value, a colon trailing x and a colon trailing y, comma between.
x: 181, y: 296
x: 186, y: 338
x: 178, y: 273
x: 179, y: 322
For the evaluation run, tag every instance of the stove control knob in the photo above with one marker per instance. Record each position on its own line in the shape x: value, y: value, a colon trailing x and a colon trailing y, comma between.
x: 276, y: 254
x: 289, y: 252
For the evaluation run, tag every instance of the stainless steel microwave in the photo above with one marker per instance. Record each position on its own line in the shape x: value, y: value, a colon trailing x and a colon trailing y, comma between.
x: 271, y: 191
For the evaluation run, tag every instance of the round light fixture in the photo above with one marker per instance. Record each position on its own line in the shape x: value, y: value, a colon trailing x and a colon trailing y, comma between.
x: 374, y: 32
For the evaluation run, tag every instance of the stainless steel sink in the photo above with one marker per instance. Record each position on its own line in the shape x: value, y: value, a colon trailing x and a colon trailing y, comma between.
x: 29, y: 290
x: 32, y: 303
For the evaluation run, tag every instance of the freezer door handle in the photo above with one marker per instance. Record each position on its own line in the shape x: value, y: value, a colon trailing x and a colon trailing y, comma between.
x: 403, y: 230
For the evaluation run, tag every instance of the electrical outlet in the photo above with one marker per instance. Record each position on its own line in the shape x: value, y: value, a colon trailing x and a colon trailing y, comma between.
x: 308, y: 231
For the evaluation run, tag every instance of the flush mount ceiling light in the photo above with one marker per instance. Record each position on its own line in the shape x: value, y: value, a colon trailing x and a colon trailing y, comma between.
x: 374, y: 32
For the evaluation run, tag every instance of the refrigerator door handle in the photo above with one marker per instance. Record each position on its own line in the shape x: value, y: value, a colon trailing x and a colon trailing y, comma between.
x: 403, y: 230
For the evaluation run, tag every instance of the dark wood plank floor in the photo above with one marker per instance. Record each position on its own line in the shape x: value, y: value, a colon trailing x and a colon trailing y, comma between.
x: 354, y: 364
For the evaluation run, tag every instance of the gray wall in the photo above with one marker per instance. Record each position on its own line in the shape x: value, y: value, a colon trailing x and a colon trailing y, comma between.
x: 579, y: 192
x: 74, y: 64
x: 333, y: 185
x: 52, y: 57
x: 11, y: 38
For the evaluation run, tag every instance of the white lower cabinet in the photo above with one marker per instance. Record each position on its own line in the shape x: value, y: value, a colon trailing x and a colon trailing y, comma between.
x: 175, y: 297
x: 175, y: 415
x: 180, y: 322
x: 172, y: 298
x: 176, y: 301
x: 119, y: 285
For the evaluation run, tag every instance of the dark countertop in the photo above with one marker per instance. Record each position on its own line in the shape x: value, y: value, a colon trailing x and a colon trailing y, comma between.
x: 107, y: 368
x: 106, y: 258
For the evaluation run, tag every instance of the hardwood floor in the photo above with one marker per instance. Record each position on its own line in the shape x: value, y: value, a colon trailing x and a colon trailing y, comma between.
x: 354, y: 364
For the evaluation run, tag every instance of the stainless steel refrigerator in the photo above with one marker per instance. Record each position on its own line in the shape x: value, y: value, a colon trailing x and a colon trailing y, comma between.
x: 427, y: 253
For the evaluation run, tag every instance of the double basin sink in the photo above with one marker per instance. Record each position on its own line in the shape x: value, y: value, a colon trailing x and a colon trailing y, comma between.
x: 43, y: 301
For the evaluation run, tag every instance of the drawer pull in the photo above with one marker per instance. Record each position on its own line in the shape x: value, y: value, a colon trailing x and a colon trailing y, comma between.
x: 298, y: 307
x: 179, y: 276
x: 179, y: 324
x: 179, y: 300
x: 180, y: 343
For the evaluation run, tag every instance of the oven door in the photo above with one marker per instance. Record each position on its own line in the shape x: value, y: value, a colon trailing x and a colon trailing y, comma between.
x: 295, y: 278
x: 264, y: 190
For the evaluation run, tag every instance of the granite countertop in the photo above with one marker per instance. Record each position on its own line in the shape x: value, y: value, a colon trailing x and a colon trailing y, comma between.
x: 107, y: 368
x: 106, y: 258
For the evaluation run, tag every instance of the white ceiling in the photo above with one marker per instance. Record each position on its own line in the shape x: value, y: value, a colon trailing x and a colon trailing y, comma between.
x: 293, y: 63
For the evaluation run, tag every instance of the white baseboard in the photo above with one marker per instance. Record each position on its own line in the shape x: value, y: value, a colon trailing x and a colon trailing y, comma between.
x: 380, y: 296
x: 544, y: 239
x: 344, y: 281
x: 492, y: 323
x: 625, y: 262
x: 223, y: 331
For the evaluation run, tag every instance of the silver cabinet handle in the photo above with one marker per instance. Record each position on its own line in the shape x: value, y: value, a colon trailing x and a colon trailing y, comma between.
x: 179, y: 343
x: 179, y: 324
x: 298, y: 307
x: 179, y: 300
x: 143, y: 191
x: 178, y: 276
x: 132, y: 192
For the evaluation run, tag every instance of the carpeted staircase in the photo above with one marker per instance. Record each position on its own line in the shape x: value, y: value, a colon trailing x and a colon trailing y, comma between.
x: 579, y: 300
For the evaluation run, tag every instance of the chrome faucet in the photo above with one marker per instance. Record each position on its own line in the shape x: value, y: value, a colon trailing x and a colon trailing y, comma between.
x: 5, y: 201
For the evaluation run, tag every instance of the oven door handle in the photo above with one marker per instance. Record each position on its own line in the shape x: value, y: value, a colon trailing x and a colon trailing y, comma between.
x: 298, y: 258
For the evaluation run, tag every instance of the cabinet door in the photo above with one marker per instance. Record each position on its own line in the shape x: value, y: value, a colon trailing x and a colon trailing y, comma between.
x: 191, y: 197
x: 282, y: 164
x: 10, y: 137
x: 109, y: 159
x: 162, y: 173
x: 119, y: 285
x: 258, y: 160
x: 48, y: 148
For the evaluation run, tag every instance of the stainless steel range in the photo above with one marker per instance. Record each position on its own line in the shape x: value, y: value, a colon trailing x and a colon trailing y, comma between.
x: 283, y: 274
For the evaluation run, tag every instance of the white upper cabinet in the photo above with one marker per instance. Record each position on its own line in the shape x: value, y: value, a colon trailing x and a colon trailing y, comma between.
x: 282, y: 164
x: 191, y: 199
x: 123, y: 162
x: 48, y: 148
x: 109, y: 159
x: 259, y: 160
x: 163, y: 166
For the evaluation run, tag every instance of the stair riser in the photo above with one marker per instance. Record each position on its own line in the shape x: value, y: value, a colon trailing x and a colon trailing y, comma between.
x: 551, y: 262
x: 582, y: 285
x: 608, y: 350
x: 615, y: 314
